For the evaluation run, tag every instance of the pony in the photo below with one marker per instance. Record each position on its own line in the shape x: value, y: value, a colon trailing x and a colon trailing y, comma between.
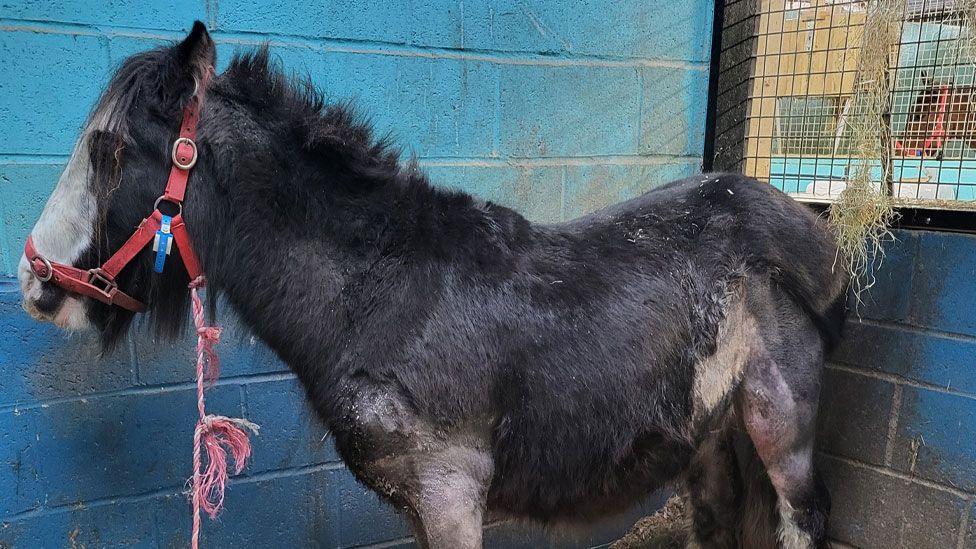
x: 472, y: 365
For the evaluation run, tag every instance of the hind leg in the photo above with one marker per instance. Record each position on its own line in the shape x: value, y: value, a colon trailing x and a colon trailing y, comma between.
x: 778, y: 402
x: 713, y: 487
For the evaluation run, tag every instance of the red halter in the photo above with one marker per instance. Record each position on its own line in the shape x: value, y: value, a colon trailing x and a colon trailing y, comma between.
x: 99, y: 283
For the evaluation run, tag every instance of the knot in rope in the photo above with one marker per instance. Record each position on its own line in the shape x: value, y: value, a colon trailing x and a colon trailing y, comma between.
x: 207, y: 338
x: 217, y: 434
x: 210, y: 333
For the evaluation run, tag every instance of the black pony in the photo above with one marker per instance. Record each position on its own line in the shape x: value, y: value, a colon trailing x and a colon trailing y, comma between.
x: 471, y: 364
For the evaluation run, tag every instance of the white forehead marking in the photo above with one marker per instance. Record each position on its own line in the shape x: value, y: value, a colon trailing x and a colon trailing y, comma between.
x: 67, y: 224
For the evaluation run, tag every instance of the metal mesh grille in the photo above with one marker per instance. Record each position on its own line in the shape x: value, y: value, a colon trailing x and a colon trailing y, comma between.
x: 800, y: 94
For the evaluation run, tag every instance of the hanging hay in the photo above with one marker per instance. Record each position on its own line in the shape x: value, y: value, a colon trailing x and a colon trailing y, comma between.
x: 668, y: 528
x: 967, y: 38
x: 965, y: 46
x: 863, y: 212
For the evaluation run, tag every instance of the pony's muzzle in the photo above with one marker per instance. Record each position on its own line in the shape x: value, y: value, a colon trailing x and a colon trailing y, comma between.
x: 50, y: 300
x: 45, y: 301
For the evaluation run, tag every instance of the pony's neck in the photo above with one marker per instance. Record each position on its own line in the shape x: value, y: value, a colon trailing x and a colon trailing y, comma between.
x: 301, y: 230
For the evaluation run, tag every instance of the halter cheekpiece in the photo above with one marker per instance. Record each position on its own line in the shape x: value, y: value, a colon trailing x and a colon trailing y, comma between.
x: 99, y: 283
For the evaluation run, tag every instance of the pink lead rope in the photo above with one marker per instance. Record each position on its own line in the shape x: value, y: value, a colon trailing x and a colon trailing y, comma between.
x: 217, y: 433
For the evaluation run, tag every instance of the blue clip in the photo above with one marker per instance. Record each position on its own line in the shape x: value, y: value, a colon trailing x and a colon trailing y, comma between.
x: 162, y: 243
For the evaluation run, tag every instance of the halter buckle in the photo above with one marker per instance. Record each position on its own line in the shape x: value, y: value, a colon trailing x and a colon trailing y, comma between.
x: 182, y: 159
x: 102, y: 282
x: 44, y: 272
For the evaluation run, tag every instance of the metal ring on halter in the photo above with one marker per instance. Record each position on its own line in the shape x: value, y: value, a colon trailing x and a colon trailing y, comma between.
x: 161, y: 198
x: 193, y: 160
x: 47, y: 265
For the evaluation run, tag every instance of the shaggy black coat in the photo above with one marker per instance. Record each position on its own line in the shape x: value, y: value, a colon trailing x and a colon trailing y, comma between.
x: 572, y: 345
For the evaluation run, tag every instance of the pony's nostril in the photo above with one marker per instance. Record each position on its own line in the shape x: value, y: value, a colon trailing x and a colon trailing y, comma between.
x: 50, y: 299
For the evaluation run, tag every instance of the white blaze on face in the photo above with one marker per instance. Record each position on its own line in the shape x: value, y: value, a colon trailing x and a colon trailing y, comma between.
x: 65, y: 229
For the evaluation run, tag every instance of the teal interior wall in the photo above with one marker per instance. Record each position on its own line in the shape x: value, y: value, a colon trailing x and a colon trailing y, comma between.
x: 554, y: 108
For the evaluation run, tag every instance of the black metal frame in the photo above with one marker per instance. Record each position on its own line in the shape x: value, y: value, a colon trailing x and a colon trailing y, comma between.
x: 711, y: 112
x: 733, y: 45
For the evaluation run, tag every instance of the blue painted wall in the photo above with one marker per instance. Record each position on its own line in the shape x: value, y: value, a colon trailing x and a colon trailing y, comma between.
x: 898, y: 414
x: 555, y: 108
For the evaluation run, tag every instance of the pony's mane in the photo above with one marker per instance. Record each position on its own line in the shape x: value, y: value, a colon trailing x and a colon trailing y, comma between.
x: 107, y: 129
x: 335, y: 140
x: 335, y: 132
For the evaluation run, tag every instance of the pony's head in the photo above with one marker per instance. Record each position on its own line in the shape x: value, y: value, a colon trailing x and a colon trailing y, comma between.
x: 118, y: 167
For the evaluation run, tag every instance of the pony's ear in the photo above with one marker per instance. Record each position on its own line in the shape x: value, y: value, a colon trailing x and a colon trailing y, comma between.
x: 197, y: 50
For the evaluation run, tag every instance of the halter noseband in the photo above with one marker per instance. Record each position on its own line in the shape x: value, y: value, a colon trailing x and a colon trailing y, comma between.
x: 99, y: 283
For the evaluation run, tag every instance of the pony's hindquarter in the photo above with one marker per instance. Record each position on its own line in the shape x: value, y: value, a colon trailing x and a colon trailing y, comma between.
x: 752, y: 482
x: 778, y: 403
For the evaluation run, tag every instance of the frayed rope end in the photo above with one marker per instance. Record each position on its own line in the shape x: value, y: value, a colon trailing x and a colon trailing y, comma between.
x: 218, y: 434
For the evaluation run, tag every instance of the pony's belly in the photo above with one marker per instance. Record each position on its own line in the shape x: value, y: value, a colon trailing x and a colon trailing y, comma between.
x: 570, y: 492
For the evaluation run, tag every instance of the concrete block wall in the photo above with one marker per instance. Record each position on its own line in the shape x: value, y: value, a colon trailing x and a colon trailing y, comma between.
x: 897, y: 431
x: 555, y: 108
